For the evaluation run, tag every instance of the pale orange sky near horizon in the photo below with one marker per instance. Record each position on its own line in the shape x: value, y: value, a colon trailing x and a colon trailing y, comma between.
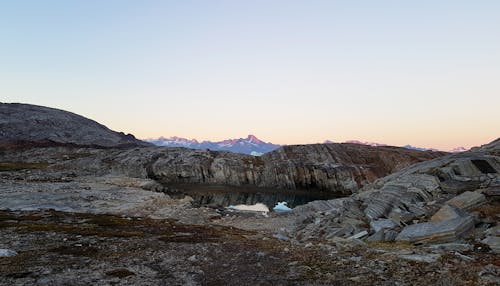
x: 423, y: 73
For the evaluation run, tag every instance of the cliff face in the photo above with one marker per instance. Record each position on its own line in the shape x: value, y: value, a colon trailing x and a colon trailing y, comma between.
x: 32, y: 123
x: 341, y: 168
x: 435, y: 201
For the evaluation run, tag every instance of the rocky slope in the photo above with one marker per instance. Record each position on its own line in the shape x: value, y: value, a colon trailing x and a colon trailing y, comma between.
x: 454, y: 198
x: 32, y: 123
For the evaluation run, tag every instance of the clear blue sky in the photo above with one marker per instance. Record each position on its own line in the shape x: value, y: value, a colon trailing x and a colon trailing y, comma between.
x: 420, y: 72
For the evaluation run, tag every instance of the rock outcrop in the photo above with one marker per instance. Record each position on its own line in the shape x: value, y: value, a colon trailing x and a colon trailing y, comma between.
x: 339, y: 168
x: 439, y: 200
x: 21, y: 123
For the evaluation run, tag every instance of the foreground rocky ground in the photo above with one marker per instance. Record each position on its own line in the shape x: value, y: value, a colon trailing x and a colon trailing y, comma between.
x: 84, y: 216
x: 60, y: 248
x: 113, y: 231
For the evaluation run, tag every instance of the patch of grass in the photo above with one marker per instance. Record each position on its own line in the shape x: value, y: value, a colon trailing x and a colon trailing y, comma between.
x: 17, y: 166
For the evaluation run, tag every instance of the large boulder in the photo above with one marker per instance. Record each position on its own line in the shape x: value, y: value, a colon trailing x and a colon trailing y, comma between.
x: 442, y: 231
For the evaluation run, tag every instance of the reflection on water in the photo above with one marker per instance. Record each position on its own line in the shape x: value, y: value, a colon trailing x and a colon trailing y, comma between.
x: 226, y: 196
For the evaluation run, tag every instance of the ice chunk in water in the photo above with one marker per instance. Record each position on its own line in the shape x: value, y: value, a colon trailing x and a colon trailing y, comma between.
x: 282, y: 207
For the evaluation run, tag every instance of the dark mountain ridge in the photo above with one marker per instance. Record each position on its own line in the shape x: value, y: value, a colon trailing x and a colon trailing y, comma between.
x: 31, y: 123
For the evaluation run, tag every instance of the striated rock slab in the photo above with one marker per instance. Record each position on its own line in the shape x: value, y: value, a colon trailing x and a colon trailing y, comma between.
x: 493, y: 242
x: 380, y: 224
x: 432, y: 232
x: 467, y: 200
x: 343, y: 167
x: 448, y: 212
x: 383, y: 235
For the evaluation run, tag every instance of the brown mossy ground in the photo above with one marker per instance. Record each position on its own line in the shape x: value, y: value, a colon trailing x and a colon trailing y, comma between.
x: 53, y: 242
x: 17, y: 166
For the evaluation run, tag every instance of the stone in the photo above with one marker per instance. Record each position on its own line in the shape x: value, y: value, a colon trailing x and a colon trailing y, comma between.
x: 359, y: 235
x: 491, y: 192
x: 390, y: 235
x: 490, y: 274
x: 377, y: 236
x: 463, y: 257
x: 7, y: 253
x: 467, y: 200
x: 383, y: 235
x: 427, y: 258
x: 377, y: 225
x: 448, y: 212
x: 281, y: 236
x: 494, y: 231
x: 493, y: 242
x: 432, y: 232
x: 451, y: 247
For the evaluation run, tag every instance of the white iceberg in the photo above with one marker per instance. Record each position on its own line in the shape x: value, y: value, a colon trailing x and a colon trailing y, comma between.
x: 282, y: 207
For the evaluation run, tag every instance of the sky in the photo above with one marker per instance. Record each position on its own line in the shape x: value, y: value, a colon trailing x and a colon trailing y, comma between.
x: 425, y: 73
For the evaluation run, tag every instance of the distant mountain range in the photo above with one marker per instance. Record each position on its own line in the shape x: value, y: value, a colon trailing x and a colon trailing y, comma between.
x: 250, y: 145
x: 254, y: 146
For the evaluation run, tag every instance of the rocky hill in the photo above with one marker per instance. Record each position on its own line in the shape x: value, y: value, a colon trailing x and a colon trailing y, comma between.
x: 32, y: 123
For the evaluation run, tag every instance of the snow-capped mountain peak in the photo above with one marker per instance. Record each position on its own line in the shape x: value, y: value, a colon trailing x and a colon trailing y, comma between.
x: 253, y: 139
x: 249, y: 145
x: 458, y: 149
x: 254, y: 146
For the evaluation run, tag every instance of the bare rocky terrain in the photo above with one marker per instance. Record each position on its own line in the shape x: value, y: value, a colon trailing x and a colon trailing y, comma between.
x: 32, y: 123
x: 96, y: 214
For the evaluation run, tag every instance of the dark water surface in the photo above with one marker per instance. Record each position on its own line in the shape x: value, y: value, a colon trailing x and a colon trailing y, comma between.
x: 224, y: 196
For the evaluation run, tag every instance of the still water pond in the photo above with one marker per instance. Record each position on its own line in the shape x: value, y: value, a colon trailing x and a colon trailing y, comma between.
x: 224, y: 196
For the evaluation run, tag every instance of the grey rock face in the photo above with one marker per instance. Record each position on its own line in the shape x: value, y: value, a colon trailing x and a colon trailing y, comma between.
x: 439, y: 187
x: 335, y: 168
x: 467, y: 200
x: 443, y: 231
x: 493, y: 242
x: 383, y: 224
x: 343, y: 167
x: 25, y: 122
x: 447, y: 212
x: 383, y: 235
x: 408, y: 191
x: 7, y: 253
